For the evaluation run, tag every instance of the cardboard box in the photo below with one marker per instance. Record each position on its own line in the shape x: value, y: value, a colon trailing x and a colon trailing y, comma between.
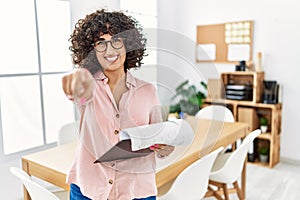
x: 249, y: 116
x: 215, y: 89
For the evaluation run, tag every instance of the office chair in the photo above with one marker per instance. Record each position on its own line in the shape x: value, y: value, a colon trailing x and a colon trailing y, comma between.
x: 192, y: 182
x: 228, y: 167
x: 35, y: 190
x: 219, y: 113
x: 216, y: 112
x: 68, y: 133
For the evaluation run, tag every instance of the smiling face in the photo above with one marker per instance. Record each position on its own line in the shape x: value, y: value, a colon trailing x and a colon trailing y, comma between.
x: 112, y: 59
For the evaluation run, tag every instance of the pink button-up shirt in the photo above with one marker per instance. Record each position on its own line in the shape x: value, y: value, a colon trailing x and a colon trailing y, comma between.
x: 101, y: 121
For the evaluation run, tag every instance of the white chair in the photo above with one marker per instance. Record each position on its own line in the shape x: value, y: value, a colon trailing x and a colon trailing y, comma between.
x: 192, y: 182
x: 165, y: 109
x: 68, y: 133
x: 220, y: 113
x: 228, y: 168
x: 35, y: 190
x: 215, y: 112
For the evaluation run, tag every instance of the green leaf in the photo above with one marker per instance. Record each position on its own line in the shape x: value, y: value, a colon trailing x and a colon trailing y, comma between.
x: 200, y: 100
x: 263, y: 150
x: 194, y: 100
x: 180, y: 87
x: 189, y: 97
x: 203, y: 84
x: 263, y: 121
x: 175, y: 108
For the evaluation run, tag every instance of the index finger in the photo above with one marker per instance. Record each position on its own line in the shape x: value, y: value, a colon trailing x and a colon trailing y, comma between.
x: 66, y: 84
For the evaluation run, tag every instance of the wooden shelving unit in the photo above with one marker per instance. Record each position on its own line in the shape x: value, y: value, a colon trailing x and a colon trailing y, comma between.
x: 271, y: 111
x: 255, y: 79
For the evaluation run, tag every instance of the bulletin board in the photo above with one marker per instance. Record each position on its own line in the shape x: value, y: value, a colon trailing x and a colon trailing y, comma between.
x: 226, y: 42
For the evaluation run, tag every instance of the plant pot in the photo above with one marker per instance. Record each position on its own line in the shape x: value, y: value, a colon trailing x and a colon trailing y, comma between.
x: 263, y: 158
x: 263, y: 128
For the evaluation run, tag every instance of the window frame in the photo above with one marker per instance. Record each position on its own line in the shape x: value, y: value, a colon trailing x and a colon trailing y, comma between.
x: 4, y: 157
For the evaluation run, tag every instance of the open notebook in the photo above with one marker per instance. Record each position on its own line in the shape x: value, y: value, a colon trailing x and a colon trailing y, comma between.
x: 122, y: 150
x: 135, y: 142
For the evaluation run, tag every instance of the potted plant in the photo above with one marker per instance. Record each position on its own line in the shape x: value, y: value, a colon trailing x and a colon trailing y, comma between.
x: 188, y: 98
x: 263, y: 154
x: 263, y: 124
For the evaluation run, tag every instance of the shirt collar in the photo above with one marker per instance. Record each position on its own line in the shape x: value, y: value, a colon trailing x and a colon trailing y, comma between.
x: 130, y: 80
x: 100, y: 76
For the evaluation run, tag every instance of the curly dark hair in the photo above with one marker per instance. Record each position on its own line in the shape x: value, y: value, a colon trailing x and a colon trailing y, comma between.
x: 87, y: 31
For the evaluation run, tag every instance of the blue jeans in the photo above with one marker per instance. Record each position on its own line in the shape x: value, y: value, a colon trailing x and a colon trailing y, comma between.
x: 75, y: 194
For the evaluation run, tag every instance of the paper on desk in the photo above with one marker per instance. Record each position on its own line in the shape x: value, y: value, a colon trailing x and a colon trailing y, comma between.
x: 174, y: 133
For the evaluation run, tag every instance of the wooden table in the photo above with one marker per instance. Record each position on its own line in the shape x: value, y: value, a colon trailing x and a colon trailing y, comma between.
x: 53, y: 164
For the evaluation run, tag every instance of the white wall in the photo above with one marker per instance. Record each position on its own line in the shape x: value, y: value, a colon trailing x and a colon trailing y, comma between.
x: 79, y: 8
x: 276, y: 34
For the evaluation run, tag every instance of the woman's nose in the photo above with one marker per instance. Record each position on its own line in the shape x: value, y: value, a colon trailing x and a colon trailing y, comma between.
x: 109, y: 47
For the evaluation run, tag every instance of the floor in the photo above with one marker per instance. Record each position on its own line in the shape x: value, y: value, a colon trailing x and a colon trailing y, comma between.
x: 10, y: 186
x: 278, y: 183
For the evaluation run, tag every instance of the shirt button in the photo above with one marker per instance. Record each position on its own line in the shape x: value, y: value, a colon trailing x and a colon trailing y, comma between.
x: 112, y: 164
x: 116, y: 132
x: 117, y: 115
x: 110, y: 181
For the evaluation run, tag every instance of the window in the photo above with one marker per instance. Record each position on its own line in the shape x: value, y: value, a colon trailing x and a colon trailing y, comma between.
x: 34, y: 57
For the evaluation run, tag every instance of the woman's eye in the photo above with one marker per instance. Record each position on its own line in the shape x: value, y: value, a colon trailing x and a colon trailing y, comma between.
x: 101, y: 43
x: 116, y: 40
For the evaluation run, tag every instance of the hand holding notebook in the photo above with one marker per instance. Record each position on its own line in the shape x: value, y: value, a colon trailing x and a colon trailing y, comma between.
x: 135, y: 142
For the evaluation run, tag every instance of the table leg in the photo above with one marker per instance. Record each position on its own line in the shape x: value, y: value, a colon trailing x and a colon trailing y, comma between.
x: 25, y: 168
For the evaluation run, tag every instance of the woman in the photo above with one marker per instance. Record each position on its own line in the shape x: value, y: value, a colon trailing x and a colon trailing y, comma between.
x: 105, y: 46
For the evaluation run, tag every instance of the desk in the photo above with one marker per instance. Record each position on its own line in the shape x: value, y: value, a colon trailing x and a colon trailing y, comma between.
x: 53, y: 164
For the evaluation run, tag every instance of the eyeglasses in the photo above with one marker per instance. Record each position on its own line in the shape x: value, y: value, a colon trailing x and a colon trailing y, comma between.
x: 101, y: 45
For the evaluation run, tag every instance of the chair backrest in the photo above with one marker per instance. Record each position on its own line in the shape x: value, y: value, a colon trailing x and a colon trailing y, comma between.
x: 36, y: 191
x: 192, y: 182
x: 165, y: 109
x: 233, y: 166
x: 216, y: 112
x: 68, y: 133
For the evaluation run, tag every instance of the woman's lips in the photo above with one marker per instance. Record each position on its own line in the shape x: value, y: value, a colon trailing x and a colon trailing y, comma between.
x: 111, y: 59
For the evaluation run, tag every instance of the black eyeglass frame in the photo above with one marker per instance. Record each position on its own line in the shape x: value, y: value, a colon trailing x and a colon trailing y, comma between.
x: 111, y: 44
